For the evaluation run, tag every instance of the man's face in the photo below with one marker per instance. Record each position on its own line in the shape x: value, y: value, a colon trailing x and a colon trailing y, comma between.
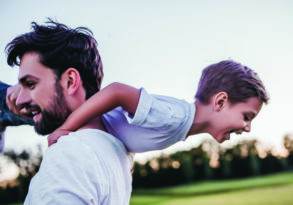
x: 234, y: 118
x: 41, y: 95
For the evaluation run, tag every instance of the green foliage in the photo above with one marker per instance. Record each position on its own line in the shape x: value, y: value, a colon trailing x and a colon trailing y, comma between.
x: 206, y: 162
x: 209, y: 162
x: 273, y: 189
x: 28, y: 165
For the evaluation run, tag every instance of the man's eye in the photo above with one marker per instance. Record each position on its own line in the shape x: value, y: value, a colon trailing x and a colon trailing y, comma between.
x: 30, y: 85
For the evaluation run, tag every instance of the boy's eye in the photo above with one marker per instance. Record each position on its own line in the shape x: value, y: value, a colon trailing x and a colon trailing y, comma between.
x: 246, y: 118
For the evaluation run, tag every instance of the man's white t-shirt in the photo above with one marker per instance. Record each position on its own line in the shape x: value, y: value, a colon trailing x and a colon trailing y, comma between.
x: 87, y: 167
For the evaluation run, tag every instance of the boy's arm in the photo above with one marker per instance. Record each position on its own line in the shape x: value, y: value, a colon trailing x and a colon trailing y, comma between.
x: 159, y: 122
x: 155, y: 122
x: 114, y: 95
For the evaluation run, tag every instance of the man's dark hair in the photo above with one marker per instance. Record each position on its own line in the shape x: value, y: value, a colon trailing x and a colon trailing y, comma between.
x: 239, y: 81
x: 59, y: 48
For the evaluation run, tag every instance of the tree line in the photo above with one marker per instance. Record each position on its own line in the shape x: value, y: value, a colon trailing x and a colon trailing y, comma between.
x: 207, y: 161
x: 210, y: 161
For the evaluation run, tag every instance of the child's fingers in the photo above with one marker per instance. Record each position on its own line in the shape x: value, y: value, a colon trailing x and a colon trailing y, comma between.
x: 53, y: 138
x: 51, y: 141
x: 11, y: 97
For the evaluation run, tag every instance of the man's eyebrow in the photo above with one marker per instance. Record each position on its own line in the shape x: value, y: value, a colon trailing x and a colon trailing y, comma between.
x: 23, y: 79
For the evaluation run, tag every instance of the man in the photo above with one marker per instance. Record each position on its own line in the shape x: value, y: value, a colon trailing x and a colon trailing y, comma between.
x: 59, y: 68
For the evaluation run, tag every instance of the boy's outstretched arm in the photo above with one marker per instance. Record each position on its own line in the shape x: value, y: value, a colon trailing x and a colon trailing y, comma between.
x: 159, y: 121
x: 113, y: 95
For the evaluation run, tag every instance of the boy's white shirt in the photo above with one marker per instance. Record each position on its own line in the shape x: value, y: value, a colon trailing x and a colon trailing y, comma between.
x: 159, y: 122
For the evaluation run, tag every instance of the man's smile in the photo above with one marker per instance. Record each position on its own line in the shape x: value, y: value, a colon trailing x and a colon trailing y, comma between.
x: 34, y: 111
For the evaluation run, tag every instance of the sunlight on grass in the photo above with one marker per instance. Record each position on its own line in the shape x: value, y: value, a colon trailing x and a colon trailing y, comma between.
x: 270, y: 190
x: 260, y: 196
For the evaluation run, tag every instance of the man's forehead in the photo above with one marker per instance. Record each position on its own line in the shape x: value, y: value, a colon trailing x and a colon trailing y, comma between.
x: 30, y: 66
x: 24, y: 75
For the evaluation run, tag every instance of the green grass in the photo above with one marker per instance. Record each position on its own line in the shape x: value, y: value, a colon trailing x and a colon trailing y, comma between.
x: 269, y: 190
x: 274, y: 189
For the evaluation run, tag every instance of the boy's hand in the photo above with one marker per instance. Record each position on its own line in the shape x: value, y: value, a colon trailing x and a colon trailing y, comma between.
x: 53, y: 137
x: 11, y: 96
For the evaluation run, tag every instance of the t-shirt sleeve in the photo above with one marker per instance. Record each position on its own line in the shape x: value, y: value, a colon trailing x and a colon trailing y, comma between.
x: 158, y: 122
x: 67, y: 177
x: 162, y: 113
x: 3, y: 89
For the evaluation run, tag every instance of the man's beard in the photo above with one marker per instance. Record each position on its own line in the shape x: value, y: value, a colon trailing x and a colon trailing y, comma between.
x: 55, y: 115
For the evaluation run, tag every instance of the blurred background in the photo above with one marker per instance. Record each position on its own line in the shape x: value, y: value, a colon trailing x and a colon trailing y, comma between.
x: 163, y: 46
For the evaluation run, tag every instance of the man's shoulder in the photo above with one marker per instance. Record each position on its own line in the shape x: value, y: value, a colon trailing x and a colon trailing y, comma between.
x: 68, y: 148
x: 84, y: 164
x: 84, y: 139
x: 86, y: 142
x: 72, y: 167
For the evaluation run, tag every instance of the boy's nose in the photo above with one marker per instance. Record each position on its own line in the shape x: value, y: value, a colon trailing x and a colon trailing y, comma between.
x: 247, y: 127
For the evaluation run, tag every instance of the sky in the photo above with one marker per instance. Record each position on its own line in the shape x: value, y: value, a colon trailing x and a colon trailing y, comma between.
x: 164, y: 45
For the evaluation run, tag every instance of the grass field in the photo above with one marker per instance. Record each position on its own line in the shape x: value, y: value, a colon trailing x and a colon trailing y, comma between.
x: 274, y: 189
x: 266, y: 190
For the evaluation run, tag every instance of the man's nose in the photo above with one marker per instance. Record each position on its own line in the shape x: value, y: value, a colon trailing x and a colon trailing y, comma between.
x: 247, y: 127
x: 22, y: 99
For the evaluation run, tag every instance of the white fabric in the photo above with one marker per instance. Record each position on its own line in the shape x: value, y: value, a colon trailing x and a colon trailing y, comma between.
x: 159, y: 122
x: 2, y: 141
x: 87, y: 167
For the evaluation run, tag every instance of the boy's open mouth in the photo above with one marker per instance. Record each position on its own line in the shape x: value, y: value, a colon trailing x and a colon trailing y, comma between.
x: 228, y: 134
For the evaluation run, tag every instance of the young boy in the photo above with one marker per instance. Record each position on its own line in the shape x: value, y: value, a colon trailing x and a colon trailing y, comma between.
x: 228, y: 98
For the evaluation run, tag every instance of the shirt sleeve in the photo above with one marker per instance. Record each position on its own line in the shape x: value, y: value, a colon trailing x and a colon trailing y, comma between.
x: 162, y: 113
x: 67, y: 177
x: 2, y: 140
x: 158, y: 122
x: 3, y: 107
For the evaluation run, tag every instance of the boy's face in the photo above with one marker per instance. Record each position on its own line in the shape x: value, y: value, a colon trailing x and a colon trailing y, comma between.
x: 234, y: 118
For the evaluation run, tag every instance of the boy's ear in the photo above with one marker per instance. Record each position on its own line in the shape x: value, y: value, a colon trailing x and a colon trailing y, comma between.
x: 71, y: 81
x: 220, y: 100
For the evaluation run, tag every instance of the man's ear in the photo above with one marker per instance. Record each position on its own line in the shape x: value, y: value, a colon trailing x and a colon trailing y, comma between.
x: 220, y: 100
x: 71, y: 81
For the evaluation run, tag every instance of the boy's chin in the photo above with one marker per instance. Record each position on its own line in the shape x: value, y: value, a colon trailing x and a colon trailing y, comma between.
x: 222, y: 138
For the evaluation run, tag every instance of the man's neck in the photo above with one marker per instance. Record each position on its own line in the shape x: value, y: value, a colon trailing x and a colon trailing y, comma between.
x: 94, y: 124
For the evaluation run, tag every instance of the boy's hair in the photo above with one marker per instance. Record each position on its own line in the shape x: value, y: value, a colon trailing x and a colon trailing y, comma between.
x: 238, y: 81
x: 59, y: 48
